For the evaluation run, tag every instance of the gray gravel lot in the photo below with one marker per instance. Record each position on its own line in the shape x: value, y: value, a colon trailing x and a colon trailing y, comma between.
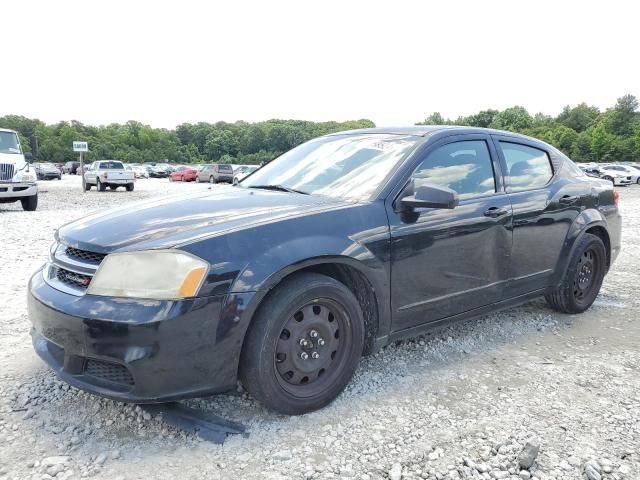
x: 463, y: 402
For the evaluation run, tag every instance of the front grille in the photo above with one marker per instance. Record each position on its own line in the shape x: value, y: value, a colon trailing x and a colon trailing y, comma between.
x: 89, y: 257
x: 109, y: 372
x: 7, y: 171
x: 72, y: 279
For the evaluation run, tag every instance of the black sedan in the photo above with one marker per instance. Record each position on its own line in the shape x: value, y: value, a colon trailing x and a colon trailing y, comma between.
x: 333, y: 250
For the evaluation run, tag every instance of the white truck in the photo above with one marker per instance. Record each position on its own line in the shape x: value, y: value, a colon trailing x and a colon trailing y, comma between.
x: 17, y: 177
x: 108, y: 173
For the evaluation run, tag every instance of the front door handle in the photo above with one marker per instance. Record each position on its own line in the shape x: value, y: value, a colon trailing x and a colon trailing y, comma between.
x: 495, y: 212
x: 568, y: 199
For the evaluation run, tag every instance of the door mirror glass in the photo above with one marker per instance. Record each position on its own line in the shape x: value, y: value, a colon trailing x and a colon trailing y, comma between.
x: 28, y: 156
x: 429, y: 195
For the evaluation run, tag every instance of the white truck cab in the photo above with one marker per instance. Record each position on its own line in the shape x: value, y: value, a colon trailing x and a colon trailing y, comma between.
x: 17, y: 177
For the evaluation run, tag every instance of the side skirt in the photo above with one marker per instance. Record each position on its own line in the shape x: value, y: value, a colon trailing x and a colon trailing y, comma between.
x: 471, y: 314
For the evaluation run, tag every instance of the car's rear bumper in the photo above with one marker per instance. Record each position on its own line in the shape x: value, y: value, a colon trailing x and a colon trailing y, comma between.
x: 138, y: 351
x: 17, y: 190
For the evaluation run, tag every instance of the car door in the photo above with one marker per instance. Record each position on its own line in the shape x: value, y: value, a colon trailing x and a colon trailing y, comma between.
x: 544, y: 207
x: 446, y: 262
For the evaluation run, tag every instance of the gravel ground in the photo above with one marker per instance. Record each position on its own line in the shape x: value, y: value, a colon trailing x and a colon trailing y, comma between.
x: 475, y: 400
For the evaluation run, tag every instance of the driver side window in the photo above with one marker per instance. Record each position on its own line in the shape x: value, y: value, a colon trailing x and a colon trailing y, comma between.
x: 462, y: 166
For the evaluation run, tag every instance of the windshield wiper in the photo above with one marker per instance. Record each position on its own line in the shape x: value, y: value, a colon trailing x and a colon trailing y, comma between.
x: 280, y: 188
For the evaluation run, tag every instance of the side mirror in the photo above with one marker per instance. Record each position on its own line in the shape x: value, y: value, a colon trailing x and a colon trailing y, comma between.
x: 429, y: 195
x: 28, y: 156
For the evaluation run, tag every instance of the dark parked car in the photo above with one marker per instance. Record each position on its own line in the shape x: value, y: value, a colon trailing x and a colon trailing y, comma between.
x: 336, y: 248
x: 71, y: 167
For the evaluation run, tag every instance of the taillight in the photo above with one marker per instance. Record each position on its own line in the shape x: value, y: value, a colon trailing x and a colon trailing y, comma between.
x: 616, y: 198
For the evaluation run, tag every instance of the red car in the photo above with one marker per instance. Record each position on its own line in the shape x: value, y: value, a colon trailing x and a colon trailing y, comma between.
x: 183, y: 174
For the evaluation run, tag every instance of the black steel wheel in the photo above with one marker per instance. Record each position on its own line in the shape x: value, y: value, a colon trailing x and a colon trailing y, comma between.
x: 583, y: 278
x: 303, y: 345
x: 309, y: 352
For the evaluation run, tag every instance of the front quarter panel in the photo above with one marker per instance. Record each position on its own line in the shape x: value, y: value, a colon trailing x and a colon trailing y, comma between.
x: 255, y: 259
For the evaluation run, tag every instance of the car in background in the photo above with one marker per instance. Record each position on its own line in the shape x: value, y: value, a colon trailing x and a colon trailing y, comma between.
x: 216, y: 173
x: 108, y: 173
x: 71, y: 168
x: 155, y: 171
x: 183, y: 174
x: 242, y: 171
x: 47, y: 171
x: 633, y: 173
x: 619, y: 177
x: 138, y: 171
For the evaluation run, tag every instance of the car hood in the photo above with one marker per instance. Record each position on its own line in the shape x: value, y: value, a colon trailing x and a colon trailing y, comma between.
x: 176, y: 220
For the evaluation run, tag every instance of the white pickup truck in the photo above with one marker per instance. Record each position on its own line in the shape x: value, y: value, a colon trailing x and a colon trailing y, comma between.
x: 17, y: 177
x: 108, y: 173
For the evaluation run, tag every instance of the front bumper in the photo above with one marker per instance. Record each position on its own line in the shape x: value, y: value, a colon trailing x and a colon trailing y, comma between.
x: 140, y: 351
x: 17, y: 189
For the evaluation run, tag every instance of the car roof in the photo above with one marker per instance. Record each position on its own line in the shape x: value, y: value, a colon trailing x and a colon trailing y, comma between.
x: 428, y: 130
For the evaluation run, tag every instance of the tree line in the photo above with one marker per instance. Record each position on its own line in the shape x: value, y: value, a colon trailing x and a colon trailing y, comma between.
x: 583, y: 132
x: 221, y: 142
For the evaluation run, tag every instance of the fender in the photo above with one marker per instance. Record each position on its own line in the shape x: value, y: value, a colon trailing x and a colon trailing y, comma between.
x: 587, y: 219
x: 298, y: 254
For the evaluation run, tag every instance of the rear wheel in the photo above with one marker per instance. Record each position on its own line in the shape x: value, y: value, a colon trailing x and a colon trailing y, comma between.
x: 583, y: 278
x: 101, y: 187
x: 29, y: 204
x: 212, y: 180
x: 303, y: 345
x: 130, y: 187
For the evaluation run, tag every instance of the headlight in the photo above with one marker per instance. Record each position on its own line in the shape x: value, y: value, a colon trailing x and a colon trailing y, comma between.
x: 158, y: 275
x: 25, y: 176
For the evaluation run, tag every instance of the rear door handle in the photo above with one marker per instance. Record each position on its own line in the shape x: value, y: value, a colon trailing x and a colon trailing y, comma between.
x: 495, y: 212
x: 568, y: 199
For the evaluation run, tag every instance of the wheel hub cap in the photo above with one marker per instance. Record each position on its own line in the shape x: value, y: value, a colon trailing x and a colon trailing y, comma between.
x: 309, y: 343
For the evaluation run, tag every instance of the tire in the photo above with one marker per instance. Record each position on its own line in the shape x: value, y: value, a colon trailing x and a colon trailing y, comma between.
x: 101, y: 187
x: 583, y: 278
x: 130, y: 187
x: 212, y: 180
x: 197, y: 178
x: 607, y: 177
x: 235, y: 180
x: 310, y: 307
x: 29, y: 204
x: 87, y: 186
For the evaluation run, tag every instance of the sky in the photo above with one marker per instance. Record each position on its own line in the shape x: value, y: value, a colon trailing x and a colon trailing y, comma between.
x: 395, y: 62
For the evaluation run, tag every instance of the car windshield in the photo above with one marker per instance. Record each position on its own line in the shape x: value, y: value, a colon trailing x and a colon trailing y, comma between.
x: 344, y: 166
x: 9, y: 143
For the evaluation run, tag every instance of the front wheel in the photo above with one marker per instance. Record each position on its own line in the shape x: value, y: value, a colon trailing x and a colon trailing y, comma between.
x: 303, y: 345
x: 130, y: 187
x: 29, y: 204
x: 608, y: 178
x: 583, y: 278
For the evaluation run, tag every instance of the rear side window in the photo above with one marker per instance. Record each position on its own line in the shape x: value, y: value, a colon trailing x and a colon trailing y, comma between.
x: 528, y: 167
x: 462, y: 166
